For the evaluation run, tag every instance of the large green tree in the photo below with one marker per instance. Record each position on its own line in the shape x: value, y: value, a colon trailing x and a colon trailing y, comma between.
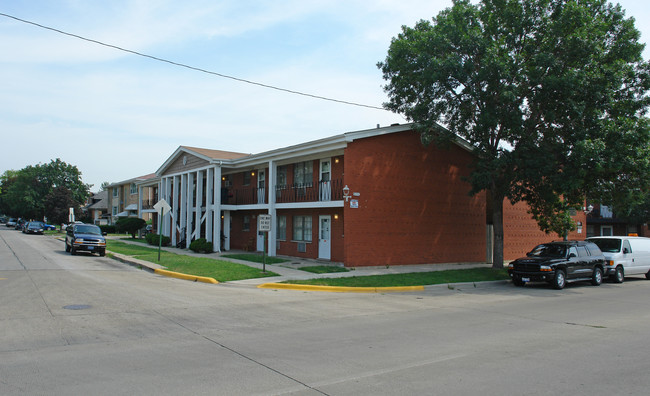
x: 43, y: 190
x: 550, y: 93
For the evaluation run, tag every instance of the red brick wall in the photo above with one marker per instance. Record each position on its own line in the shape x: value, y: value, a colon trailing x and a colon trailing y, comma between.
x: 240, y: 239
x: 290, y: 248
x: 414, y: 207
x: 521, y: 232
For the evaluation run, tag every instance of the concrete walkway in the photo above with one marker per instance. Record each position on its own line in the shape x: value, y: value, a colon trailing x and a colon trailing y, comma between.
x: 290, y: 270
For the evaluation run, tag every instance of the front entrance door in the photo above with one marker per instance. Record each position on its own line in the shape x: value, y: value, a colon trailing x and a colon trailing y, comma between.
x: 324, y: 241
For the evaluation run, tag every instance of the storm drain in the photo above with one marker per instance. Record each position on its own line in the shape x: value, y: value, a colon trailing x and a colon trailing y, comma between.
x: 77, y: 306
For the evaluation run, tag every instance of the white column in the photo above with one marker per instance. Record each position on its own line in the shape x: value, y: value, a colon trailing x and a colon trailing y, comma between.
x: 216, y: 209
x: 175, y: 204
x: 199, y: 199
x: 140, y: 191
x: 183, y: 203
x: 188, y: 211
x: 226, y: 229
x: 272, y: 211
x: 165, y: 191
x: 209, y: 199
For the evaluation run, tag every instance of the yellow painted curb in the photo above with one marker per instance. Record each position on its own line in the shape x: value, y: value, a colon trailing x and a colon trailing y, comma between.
x: 178, y: 275
x: 340, y: 289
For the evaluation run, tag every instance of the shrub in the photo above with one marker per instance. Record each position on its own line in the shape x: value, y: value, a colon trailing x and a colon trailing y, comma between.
x: 130, y: 225
x: 109, y: 229
x: 201, y: 245
x: 153, y: 239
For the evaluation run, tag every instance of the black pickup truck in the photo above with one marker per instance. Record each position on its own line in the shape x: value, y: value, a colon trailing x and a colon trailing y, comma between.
x: 559, y: 263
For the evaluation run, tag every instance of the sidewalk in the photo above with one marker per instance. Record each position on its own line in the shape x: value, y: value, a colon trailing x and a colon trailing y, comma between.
x: 290, y: 270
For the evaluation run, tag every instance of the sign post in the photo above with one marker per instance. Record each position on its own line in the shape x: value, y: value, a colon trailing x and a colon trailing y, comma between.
x: 264, y: 225
x: 162, y: 207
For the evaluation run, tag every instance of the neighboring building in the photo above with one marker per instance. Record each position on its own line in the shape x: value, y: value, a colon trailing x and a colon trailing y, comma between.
x: 124, y: 197
x: 148, y: 197
x: 368, y: 198
x: 97, y: 208
x: 601, y: 221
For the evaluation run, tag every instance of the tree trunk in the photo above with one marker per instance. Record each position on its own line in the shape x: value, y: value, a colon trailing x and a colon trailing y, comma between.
x: 497, y: 222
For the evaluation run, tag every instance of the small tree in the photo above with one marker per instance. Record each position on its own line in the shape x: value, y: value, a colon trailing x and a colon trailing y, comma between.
x: 130, y: 225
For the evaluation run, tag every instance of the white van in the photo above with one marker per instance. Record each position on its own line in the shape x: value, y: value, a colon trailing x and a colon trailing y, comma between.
x: 625, y: 256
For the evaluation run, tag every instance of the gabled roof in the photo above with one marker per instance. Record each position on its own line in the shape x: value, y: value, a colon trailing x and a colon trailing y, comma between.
x: 100, y: 200
x: 133, y: 180
x: 211, y: 156
x: 215, y: 154
x: 329, y: 144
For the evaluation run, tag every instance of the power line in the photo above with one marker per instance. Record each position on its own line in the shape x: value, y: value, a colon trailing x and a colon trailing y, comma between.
x: 191, y: 67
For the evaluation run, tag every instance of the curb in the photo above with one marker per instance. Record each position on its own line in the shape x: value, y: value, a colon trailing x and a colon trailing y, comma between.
x: 179, y: 275
x: 339, y: 289
x: 158, y: 269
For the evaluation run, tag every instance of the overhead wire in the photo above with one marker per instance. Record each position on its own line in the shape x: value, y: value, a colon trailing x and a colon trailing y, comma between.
x: 191, y: 67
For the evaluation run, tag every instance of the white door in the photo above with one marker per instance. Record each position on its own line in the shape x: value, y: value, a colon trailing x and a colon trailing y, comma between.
x: 261, y: 189
x: 325, y: 181
x: 260, y: 241
x: 324, y: 241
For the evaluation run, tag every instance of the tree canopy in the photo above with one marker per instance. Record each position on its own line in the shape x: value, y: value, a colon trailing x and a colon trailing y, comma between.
x: 43, y: 190
x: 552, y: 95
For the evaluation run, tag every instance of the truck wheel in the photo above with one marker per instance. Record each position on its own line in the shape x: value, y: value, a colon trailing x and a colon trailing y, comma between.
x: 619, y: 275
x: 647, y: 275
x: 102, y: 253
x: 73, y: 251
x: 559, y: 281
x: 597, y: 277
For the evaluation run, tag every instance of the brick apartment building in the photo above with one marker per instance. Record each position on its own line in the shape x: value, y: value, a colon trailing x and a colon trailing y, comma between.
x: 367, y: 198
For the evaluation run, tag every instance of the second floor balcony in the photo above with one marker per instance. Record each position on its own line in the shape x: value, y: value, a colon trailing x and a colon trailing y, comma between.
x: 330, y: 190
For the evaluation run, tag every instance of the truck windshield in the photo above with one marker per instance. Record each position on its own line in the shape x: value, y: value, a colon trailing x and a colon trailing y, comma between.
x: 89, y: 229
x: 608, y: 245
x: 548, y: 251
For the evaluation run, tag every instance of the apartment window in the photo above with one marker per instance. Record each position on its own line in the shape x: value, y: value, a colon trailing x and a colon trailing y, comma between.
x: 282, y: 228
x: 302, y: 228
x: 247, y: 223
x: 227, y: 182
x: 247, y: 178
x: 281, y: 181
x: 115, y: 192
x: 606, y: 212
x: 114, y: 211
x: 134, y: 189
x: 303, y: 174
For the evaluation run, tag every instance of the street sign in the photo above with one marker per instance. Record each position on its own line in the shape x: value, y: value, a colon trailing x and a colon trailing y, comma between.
x: 162, y: 207
x: 264, y: 223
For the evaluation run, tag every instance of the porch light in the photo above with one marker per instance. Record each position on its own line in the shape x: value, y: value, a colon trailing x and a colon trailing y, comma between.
x: 336, y: 217
x: 336, y: 160
x: 252, y: 173
x: 588, y: 209
x: 346, y: 193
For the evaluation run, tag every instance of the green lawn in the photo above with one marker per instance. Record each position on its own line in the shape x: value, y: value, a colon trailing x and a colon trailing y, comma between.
x: 323, y: 269
x: 255, y: 258
x: 223, y: 271
x: 412, y: 279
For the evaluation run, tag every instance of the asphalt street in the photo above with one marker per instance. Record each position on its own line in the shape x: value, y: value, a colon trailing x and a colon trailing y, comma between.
x: 72, y: 325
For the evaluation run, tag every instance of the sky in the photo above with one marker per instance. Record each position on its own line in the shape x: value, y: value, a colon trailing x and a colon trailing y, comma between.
x: 116, y: 115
